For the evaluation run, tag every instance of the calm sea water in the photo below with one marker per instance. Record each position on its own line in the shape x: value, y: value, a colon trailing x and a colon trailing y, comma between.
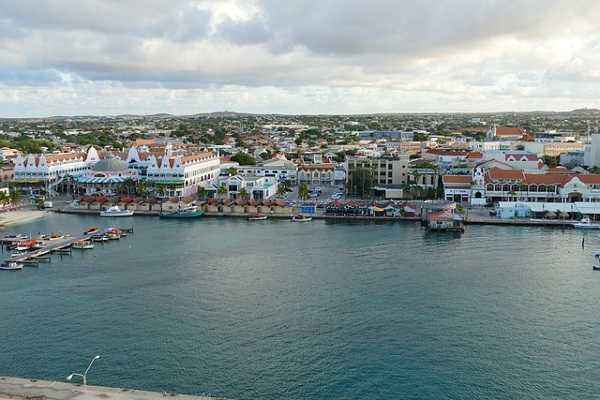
x: 275, y: 310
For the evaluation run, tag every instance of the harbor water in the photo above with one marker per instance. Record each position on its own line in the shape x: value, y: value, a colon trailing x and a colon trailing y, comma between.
x: 319, y: 310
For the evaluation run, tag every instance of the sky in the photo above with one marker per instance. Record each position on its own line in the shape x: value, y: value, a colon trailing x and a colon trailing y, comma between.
x: 76, y: 57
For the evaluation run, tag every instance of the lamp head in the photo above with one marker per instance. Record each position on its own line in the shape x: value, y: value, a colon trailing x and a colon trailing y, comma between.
x: 69, y: 377
x: 97, y: 358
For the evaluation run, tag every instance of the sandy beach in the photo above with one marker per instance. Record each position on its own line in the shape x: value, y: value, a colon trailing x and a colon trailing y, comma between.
x: 20, y: 216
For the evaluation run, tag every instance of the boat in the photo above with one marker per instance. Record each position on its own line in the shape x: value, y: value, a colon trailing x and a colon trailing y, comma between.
x: 91, y: 231
x: 83, y: 245
x: 300, y: 218
x: 586, y: 223
x: 596, y: 267
x: 187, y: 212
x: 26, y: 245
x: 11, y: 266
x: 115, y: 211
x: 99, y: 238
x: 258, y: 217
x: 56, y: 236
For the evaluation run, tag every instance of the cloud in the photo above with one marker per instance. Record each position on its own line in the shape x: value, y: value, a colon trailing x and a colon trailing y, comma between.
x: 385, y: 54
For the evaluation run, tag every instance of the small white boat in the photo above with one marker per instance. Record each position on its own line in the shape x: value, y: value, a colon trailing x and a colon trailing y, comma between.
x: 115, y: 211
x: 585, y: 223
x: 301, y: 218
x: 258, y: 217
x: 11, y: 266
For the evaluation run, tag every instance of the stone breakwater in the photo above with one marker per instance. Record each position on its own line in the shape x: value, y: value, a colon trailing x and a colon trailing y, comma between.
x: 17, y: 388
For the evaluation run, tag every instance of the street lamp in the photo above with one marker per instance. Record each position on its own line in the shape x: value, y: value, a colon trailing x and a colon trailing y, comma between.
x: 84, y: 375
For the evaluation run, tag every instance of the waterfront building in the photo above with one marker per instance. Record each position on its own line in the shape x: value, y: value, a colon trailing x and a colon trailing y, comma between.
x: 36, y: 172
x: 592, y: 152
x: 106, y: 177
x: 316, y: 174
x: 385, y: 171
x: 520, y: 160
x: 280, y: 168
x: 175, y: 171
x: 255, y: 187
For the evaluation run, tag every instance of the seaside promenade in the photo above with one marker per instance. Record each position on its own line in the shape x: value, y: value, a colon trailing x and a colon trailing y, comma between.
x: 30, y: 389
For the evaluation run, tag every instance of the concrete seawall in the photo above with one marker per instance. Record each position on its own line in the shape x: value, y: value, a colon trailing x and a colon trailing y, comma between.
x: 30, y: 389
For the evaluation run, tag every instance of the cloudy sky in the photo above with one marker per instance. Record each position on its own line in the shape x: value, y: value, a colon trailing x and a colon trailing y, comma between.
x: 297, y: 56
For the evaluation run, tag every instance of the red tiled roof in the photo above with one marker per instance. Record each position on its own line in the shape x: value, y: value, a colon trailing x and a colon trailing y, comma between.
x: 509, y: 131
x: 457, y: 179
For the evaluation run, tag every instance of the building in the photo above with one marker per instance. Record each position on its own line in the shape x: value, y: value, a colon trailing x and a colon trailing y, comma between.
x: 279, y: 168
x: 505, y: 133
x: 106, y: 177
x: 592, y: 152
x: 36, y: 172
x: 572, y: 159
x: 386, y: 171
x: 316, y: 174
x: 175, y: 172
x: 252, y: 187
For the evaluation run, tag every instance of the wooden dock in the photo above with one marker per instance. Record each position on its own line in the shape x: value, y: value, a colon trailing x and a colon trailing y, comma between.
x: 61, y: 246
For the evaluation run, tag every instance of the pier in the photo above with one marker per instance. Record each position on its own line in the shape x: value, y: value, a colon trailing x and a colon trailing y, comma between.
x: 17, y: 388
x: 60, y: 246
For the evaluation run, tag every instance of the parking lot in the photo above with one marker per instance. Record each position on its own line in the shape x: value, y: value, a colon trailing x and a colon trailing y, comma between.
x: 326, y: 192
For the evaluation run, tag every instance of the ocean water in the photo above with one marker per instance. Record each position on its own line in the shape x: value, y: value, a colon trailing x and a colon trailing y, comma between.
x: 276, y: 310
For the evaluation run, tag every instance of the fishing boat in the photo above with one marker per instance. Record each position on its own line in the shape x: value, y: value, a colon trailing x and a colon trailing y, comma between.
x: 586, y: 223
x: 26, y: 245
x: 11, y: 266
x: 258, y: 217
x: 83, y: 245
x: 187, y: 212
x: 115, y: 211
x: 300, y: 218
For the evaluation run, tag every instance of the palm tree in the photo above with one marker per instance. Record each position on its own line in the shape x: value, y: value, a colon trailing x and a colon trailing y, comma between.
x: 303, y: 192
x: 4, y: 199
x: 281, y: 189
x: 202, y: 193
x: 14, y: 197
x: 222, y: 191
x: 231, y: 171
x: 244, y: 193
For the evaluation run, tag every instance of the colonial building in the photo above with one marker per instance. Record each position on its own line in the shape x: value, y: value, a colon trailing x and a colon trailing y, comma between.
x: 316, y: 174
x: 36, y: 172
x: 255, y: 187
x: 175, y: 172
x: 558, y: 185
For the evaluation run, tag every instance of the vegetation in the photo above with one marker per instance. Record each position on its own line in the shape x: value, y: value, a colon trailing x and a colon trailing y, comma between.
x: 361, y: 182
x: 303, y: 192
x: 243, y: 159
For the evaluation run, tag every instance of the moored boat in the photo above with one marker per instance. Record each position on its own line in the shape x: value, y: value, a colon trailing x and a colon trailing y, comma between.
x: 187, y: 212
x: 258, y: 217
x: 11, y: 266
x: 300, y: 218
x: 115, y: 211
x: 586, y: 223
x: 83, y: 244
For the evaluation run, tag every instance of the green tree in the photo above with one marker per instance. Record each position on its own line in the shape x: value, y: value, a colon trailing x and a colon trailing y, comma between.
x: 244, y: 194
x: 222, y: 191
x: 303, y: 192
x: 202, y: 193
x: 243, y: 159
x: 232, y: 171
x: 361, y: 182
x: 14, y: 197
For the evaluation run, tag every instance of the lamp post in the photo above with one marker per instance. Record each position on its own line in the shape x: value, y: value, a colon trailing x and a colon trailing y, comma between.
x: 84, y: 375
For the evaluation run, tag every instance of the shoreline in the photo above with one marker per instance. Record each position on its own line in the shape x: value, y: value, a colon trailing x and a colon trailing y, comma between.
x: 20, y: 217
x: 467, y: 221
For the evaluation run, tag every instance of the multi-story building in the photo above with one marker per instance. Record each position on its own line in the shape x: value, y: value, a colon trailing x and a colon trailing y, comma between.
x: 316, y: 174
x: 279, y: 168
x: 176, y: 173
x: 36, y: 172
x: 385, y: 171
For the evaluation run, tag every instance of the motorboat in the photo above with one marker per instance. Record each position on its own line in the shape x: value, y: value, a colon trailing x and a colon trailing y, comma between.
x: 115, y: 211
x: 300, y: 218
x: 586, y: 223
x: 596, y: 267
x: 258, y: 217
x: 11, y: 266
x: 187, y: 212
x: 83, y: 245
